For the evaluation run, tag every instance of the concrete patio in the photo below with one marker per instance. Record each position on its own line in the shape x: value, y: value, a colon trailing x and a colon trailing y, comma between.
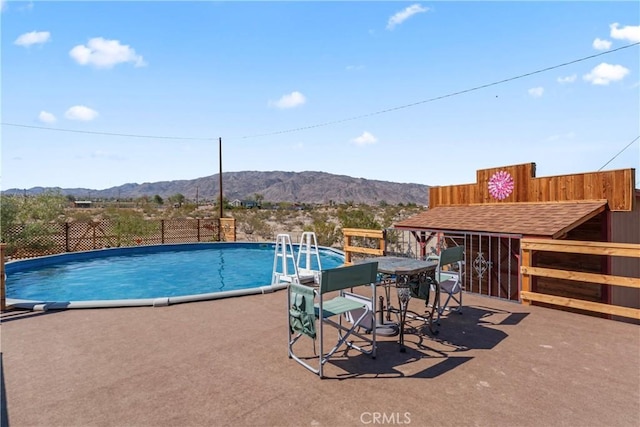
x: 224, y: 363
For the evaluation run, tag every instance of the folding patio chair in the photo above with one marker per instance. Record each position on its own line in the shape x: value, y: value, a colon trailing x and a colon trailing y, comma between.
x: 308, y: 317
x: 448, y: 277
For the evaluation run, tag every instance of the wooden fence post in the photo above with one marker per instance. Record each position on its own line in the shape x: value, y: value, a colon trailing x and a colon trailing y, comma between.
x: 3, y: 299
x: 66, y: 237
x: 526, y: 279
x: 228, y: 229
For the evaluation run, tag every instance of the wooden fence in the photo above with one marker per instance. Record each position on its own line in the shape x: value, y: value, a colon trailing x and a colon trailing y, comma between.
x: 76, y: 236
x: 528, y: 271
x: 368, y: 238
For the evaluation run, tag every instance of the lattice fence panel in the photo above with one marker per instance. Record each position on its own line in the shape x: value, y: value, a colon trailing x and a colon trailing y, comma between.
x: 28, y: 241
x: 31, y: 241
x: 180, y: 230
x: 85, y: 236
x: 209, y: 230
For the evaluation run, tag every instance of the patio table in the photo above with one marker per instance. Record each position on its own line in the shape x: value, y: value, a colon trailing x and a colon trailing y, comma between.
x: 402, y: 273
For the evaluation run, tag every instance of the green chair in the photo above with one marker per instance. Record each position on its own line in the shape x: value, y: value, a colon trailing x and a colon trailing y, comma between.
x: 311, y: 308
x: 449, y: 278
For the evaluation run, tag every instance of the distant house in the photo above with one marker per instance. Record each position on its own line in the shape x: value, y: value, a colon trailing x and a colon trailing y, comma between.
x: 247, y: 204
x: 82, y: 204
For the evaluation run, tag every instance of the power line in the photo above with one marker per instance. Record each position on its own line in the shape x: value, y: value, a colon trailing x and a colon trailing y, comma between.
x: 128, y: 135
x: 437, y: 98
x: 619, y: 152
x: 334, y: 122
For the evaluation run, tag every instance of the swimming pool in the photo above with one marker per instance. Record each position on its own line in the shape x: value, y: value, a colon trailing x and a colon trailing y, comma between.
x: 146, y: 275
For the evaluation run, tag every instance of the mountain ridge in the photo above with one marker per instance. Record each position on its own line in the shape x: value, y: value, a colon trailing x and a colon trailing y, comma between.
x: 273, y: 186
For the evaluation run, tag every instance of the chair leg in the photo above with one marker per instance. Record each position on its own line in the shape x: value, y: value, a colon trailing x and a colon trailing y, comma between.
x: 349, y: 332
x: 445, y: 307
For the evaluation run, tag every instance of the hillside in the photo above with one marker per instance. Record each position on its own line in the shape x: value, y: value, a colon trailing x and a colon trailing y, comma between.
x: 276, y: 186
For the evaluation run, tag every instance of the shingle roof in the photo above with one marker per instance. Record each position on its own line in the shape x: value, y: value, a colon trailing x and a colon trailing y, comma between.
x: 549, y: 219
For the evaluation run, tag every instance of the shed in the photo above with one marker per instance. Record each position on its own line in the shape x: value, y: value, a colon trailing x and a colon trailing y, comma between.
x: 82, y: 203
x: 508, y: 203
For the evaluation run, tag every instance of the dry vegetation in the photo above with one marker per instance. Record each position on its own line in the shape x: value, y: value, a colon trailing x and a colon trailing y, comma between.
x: 258, y: 225
x: 326, y: 222
x: 31, y: 220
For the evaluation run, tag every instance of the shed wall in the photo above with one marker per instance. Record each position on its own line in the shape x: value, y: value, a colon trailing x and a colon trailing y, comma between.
x: 615, y: 186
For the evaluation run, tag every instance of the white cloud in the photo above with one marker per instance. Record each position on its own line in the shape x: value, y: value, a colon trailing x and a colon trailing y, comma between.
x: 604, y: 74
x: 354, y: 67
x: 80, y: 112
x: 405, y: 14
x: 568, y: 79
x: 628, y: 32
x: 536, y: 92
x: 3, y: 5
x: 600, y: 44
x: 46, y: 117
x: 365, y: 139
x: 291, y: 100
x: 34, y: 37
x: 103, y: 53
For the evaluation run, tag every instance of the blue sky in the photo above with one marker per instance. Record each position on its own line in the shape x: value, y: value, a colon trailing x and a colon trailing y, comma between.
x: 297, y: 86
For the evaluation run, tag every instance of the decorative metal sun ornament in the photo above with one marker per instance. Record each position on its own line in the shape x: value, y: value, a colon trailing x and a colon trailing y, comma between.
x: 500, y: 185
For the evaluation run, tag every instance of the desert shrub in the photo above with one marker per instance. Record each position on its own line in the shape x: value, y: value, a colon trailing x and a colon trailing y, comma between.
x: 129, y: 225
x: 30, y: 222
x: 358, y: 218
x: 254, y: 222
x: 327, y: 232
x: 9, y: 212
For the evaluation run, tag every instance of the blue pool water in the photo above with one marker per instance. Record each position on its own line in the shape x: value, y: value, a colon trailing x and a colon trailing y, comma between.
x: 147, y: 272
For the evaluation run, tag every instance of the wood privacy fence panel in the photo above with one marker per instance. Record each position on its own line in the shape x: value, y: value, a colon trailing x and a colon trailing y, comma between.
x: 76, y: 236
x: 531, y: 269
x: 617, y: 187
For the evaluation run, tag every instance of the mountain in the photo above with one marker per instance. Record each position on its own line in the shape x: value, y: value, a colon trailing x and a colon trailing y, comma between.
x: 300, y: 187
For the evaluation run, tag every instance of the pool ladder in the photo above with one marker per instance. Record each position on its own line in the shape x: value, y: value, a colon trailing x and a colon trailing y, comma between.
x: 287, y: 269
x: 309, y: 248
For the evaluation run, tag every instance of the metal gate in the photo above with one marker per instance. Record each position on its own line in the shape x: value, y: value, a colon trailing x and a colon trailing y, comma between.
x: 492, y: 260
